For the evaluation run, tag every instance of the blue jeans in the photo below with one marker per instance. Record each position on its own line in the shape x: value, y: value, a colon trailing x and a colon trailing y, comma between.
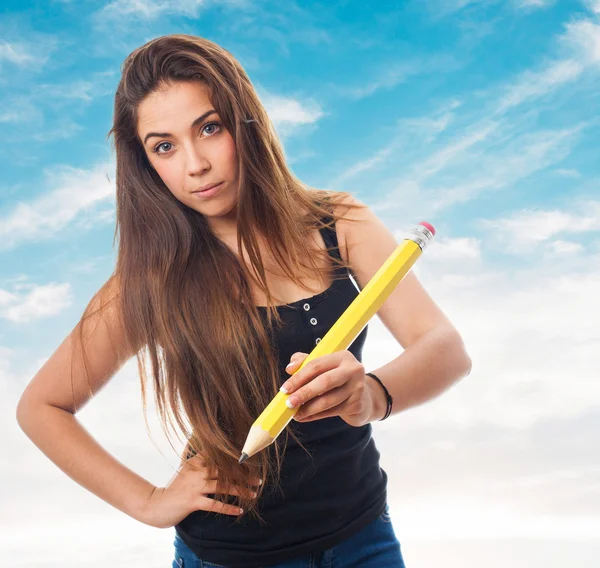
x: 374, y: 546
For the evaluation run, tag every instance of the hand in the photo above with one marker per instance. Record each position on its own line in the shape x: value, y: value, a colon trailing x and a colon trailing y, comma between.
x: 187, y: 492
x: 330, y: 385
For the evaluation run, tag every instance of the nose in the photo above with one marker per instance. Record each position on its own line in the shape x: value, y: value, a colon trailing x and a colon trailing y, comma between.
x: 196, y: 162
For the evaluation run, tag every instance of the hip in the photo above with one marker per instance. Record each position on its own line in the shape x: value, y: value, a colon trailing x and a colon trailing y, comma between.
x: 373, y: 546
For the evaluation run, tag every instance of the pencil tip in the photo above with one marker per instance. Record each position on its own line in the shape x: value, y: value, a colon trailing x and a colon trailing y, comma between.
x: 243, y: 458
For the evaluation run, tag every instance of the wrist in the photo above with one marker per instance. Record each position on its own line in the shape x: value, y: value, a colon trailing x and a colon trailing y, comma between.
x: 143, y: 509
x: 378, y: 400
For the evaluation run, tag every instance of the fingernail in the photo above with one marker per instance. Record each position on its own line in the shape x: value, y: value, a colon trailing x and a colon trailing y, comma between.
x: 283, y: 389
x: 291, y: 402
x: 290, y: 364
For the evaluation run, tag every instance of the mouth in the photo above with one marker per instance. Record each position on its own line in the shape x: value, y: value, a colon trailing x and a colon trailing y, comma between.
x: 209, y: 191
x: 208, y: 187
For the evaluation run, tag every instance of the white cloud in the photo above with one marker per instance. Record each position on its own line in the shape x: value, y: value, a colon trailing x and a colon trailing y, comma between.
x: 583, y: 37
x: 442, y: 8
x: 81, y: 90
x: 532, y: 335
x: 75, y: 195
x: 505, y: 145
x: 362, y: 166
x: 535, y: 84
x: 430, y: 125
x: 39, y: 302
x: 593, y: 6
x: 566, y: 247
x: 451, y: 250
x: 389, y: 74
x: 426, y: 129
x: 153, y: 9
x: 17, y: 53
x: 446, y: 155
x: 285, y: 110
x: 534, y: 357
x: 21, y: 110
x: 471, y: 170
x: 289, y: 114
x: 568, y: 172
x: 523, y: 230
x: 66, y: 129
x: 6, y: 298
x: 532, y: 4
x: 23, y: 49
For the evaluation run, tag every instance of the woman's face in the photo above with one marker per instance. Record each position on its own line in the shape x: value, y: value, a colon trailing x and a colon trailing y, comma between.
x: 188, y: 146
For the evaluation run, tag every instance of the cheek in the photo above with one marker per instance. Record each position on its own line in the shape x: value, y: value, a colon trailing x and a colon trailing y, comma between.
x: 228, y: 154
x: 168, y: 172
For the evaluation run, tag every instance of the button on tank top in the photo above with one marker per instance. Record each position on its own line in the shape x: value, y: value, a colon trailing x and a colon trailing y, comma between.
x: 328, y: 495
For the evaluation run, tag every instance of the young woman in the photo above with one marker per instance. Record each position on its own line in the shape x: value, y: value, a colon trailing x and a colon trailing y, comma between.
x: 228, y: 267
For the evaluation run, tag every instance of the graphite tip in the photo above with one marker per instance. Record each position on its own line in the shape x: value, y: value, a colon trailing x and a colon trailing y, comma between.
x: 243, y: 458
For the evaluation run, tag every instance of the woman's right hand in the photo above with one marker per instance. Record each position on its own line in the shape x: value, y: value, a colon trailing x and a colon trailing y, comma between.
x: 187, y: 492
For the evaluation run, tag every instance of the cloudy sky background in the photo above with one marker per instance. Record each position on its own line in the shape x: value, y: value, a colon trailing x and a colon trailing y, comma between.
x: 481, y: 117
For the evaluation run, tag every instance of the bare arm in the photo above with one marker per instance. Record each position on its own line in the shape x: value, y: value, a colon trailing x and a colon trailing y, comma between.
x: 58, y: 434
x: 47, y: 408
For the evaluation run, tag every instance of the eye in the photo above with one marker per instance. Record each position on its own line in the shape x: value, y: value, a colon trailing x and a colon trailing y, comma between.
x: 212, y: 124
x: 215, y: 126
x: 156, y: 148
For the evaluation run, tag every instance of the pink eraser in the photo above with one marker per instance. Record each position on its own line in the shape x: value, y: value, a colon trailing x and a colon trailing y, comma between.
x: 429, y: 226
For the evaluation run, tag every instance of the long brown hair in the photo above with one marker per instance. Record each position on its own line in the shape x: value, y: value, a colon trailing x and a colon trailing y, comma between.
x: 183, y: 295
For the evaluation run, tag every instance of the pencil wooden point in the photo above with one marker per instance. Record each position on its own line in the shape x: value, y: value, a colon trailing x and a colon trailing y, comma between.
x: 243, y: 458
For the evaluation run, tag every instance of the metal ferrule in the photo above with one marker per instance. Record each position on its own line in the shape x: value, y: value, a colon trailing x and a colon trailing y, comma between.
x: 420, y: 235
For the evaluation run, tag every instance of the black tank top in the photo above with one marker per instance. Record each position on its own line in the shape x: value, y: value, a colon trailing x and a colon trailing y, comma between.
x: 327, y: 496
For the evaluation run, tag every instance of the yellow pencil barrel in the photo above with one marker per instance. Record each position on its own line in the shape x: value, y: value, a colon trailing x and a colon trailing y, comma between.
x: 277, y: 415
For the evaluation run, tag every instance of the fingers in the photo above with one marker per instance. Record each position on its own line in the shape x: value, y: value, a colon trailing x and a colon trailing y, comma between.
x: 214, y: 506
x: 295, y: 361
x: 311, y: 370
x: 322, y: 375
x: 330, y: 413
x: 311, y: 388
x: 317, y: 407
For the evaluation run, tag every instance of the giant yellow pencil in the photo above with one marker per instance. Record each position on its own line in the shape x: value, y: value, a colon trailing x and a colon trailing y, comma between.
x: 343, y: 332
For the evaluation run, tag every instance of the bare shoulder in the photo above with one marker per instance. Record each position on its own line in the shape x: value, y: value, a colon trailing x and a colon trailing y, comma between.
x: 409, y: 311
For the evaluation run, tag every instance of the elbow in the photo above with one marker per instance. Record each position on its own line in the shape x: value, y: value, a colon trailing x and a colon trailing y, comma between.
x: 461, y: 359
x: 468, y: 366
x: 466, y: 362
x: 24, y: 413
x: 21, y: 414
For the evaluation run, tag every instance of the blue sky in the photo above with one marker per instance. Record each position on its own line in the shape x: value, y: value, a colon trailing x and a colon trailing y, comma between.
x: 478, y: 116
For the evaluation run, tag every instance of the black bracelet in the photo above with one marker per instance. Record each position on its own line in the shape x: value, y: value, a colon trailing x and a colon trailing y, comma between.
x: 388, y: 396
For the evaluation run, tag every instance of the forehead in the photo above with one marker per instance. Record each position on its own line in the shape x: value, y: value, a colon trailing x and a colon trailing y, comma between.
x: 173, y: 106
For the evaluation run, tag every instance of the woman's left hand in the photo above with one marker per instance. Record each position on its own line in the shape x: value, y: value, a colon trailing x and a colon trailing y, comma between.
x: 330, y: 385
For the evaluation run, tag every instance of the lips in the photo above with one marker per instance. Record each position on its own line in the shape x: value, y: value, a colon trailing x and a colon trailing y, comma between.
x: 207, y: 187
x: 212, y: 189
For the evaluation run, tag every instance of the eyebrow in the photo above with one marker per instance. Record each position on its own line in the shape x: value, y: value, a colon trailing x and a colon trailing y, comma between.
x: 166, y: 134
